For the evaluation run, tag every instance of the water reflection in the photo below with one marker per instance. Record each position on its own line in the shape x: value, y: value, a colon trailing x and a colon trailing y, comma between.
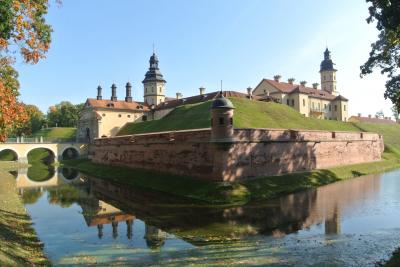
x: 114, y: 214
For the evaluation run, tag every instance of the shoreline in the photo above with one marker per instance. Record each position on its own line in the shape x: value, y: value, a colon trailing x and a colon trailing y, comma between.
x: 231, y: 194
x: 19, y: 244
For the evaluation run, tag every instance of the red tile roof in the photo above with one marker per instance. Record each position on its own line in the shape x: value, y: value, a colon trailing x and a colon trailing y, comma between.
x: 199, y: 98
x: 289, y: 88
x: 120, y: 105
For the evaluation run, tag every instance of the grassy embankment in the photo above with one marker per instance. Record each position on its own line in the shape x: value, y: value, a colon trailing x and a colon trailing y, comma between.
x: 19, y: 245
x: 57, y: 133
x: 248, y: 114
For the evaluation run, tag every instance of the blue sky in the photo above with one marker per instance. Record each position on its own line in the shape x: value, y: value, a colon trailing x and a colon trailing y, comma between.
x: 200, y: 43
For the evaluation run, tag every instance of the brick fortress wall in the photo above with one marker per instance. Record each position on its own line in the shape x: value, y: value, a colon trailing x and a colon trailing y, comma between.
x: 252, y: 153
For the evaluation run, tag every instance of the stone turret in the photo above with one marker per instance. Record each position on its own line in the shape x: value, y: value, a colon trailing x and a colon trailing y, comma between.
x: 222, y: 119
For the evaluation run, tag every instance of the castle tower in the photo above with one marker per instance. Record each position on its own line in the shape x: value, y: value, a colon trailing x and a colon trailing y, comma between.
x: 328, y: 74
x: 154, y: 83
x: 222, y: 119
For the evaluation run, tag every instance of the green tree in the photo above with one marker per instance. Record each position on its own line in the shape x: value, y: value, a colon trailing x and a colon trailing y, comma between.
x: 396, y: 113
x: 385, y: 52
x: 380, y: 114
x: 64, y: 114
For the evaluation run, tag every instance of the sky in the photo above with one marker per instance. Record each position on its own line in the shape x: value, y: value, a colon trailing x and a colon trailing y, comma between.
x: 199, y: 43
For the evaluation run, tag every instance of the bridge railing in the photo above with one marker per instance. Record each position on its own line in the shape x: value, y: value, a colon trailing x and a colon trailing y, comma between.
x: 38, y: 140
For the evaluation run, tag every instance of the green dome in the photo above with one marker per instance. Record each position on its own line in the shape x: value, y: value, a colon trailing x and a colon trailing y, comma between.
x: 222, y: 102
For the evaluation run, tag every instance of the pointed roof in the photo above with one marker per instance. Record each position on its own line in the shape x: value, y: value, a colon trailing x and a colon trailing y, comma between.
x: 154, y: 73
x: 327, y: 63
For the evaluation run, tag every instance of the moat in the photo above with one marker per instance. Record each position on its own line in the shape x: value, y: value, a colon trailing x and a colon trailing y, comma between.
x: 84, y: 220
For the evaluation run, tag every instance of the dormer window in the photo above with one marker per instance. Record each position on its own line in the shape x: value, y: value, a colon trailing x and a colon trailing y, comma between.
x: 110, y: 105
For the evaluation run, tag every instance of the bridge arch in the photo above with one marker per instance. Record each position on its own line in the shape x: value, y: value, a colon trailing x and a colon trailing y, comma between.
x: 14, y: 151
x: 50, y: 149
x: 69, y: 152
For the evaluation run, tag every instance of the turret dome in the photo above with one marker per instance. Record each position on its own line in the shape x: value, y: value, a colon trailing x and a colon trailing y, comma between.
x: 222, y: 102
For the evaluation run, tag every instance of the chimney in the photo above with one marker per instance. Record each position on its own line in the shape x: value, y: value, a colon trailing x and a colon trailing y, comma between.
x: 315, y: 85
x: 369, y: 116
x: 178, y: 95
x: 250, y: 92
x: 113, y: 92
x: 128, y: 97
x: 291, y: 80
x: 99, y: 97
x: 359, y: 114
x: 202, y: 90
x: 303, y: 83
x: 277, y: 78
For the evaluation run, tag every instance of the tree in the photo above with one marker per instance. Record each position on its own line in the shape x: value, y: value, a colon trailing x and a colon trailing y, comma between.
x: 64, y: 114
x: 35, y: 121
x: 396, y: 113
x: 380, y: 114
x: 22, y: 26
x: 385, y: 52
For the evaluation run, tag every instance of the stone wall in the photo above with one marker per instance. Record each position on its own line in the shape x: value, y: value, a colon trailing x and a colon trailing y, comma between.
x: 253, y: 153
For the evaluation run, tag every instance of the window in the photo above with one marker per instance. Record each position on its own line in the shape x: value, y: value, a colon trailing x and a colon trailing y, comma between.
x: 329, y: 108
x: 103, y: 115
x: 304, y: 102
x: 325, y: 106
x: 312, y: 104
x: 231, y: 121
x: 129, y: 116
x: 324, y: 78
x: 344, y: 107
x: 287, y: 102
x: 292, y: 102
x: 119, y: 115
x: 152, y: 89
x: 335, y: 107
x: 160, y: 89
x: 221, y: 121
x: 211, y: 122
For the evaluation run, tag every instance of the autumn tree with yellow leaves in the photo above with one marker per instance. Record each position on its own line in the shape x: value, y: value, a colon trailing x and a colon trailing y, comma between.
x: 23, y: 29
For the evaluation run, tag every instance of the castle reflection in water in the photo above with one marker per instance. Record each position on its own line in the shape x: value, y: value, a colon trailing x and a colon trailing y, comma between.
x: 113, y: 208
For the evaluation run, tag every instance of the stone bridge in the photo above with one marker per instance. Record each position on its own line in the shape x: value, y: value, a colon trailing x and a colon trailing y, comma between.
x: 21, y: 149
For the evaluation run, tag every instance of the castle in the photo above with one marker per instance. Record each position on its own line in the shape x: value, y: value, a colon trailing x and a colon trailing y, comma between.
x: 324, y: 103
x: 105, y: 117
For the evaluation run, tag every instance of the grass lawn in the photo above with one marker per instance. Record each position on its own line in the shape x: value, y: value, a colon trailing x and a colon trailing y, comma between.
x: 61, y: 133
x: 248, y: 114
x: 19, y: 245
